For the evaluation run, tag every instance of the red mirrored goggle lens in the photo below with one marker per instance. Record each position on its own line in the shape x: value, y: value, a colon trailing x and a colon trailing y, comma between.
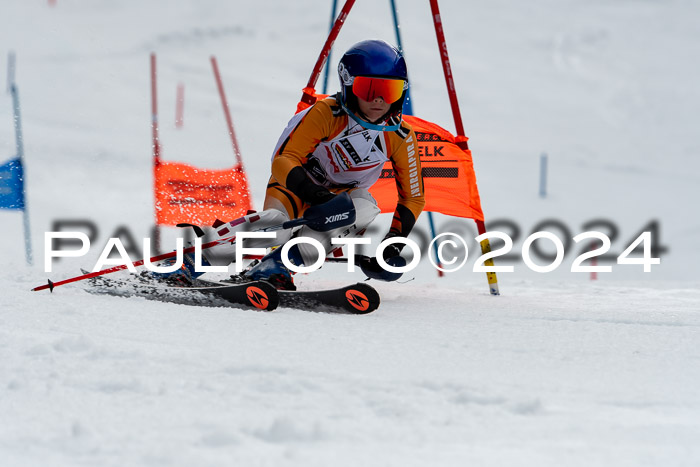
x: 369, y: 89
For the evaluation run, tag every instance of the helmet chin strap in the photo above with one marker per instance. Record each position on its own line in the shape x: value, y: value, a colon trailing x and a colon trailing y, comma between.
x: 367, y: 125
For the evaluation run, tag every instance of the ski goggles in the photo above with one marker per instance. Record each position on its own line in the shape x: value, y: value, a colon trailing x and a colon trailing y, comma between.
x: 368, y: 89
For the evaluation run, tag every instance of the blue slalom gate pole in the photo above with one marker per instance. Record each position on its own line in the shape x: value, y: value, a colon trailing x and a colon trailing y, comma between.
x: 10, y: 71
x: 408, y: 110
x: 328, y: 60
x: 20, y: 155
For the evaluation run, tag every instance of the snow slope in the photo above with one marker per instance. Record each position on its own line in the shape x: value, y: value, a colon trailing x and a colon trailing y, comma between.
x: 558, y: 370
x: 600, y: 375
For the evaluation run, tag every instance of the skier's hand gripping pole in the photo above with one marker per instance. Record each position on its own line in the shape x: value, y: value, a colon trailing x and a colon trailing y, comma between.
x: 373, y: 270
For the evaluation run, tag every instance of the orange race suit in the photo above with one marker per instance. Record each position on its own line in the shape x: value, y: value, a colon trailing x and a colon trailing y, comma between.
x: 323, y: 150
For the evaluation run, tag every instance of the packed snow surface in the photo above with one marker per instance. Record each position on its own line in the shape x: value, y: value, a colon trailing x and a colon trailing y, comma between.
x: 558, y: 370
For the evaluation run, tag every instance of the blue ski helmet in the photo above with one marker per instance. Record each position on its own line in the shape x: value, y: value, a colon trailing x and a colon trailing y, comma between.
x: 377, y: 59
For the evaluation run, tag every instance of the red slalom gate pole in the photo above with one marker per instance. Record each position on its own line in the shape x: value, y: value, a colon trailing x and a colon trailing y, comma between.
x: 594, y: 262
x: 447, y: 70
x: 308, y: 92
x: 227, y: 114
x: 156, y: 142
x: 461, y: 139
x: 154, y: 111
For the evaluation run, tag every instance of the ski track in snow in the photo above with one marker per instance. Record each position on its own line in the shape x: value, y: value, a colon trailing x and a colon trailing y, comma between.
x: 559, y: 370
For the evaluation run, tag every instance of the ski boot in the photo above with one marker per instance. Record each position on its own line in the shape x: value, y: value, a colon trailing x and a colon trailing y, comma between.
x: 271, y: 269
x: 183, y: 277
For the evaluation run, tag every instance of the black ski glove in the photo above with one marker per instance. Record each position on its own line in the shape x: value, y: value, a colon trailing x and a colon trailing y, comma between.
x: 392, y: 257
x: 392, y: 250
x: 373, y: 270
x: 302, y: 186
x: 316, y: 194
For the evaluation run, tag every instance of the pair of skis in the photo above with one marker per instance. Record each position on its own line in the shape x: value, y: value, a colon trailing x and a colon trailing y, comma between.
x: 359, y: 298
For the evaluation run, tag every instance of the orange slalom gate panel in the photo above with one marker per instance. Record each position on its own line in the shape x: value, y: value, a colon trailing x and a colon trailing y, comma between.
x: 448, y: 174
x: 184, y: 193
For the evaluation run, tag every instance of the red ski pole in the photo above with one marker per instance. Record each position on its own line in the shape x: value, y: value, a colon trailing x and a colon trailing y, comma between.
x: 121, y: 267
x: 317, y: 222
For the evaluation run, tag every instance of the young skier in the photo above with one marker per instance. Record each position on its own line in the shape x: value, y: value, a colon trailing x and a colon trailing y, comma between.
x: 328, y: 157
